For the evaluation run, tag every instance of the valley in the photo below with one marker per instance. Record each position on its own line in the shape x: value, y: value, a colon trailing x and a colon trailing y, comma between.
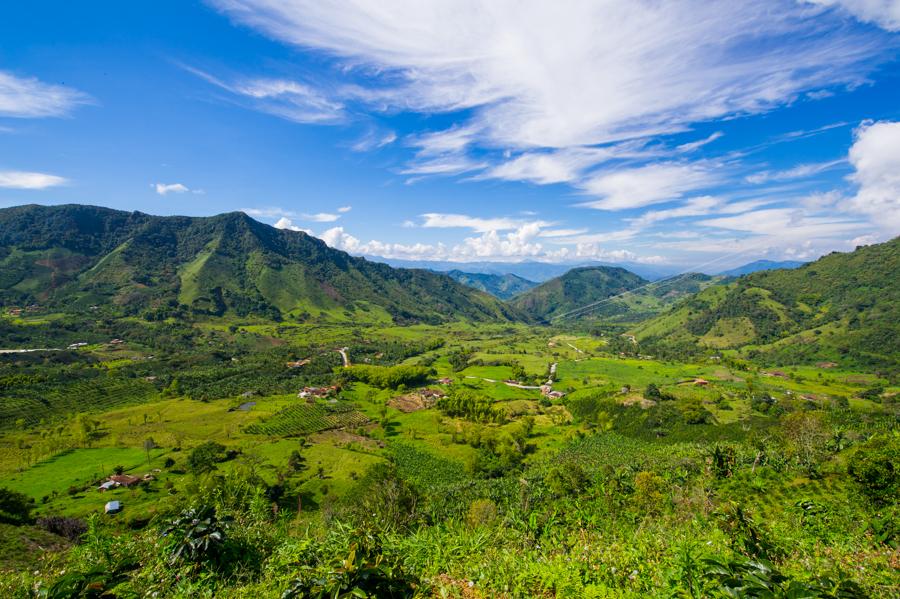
x: 679, y: 438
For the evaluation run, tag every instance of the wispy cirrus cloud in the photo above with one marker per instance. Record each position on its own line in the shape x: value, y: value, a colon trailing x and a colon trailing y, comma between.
x: 30, y: 180
x: 28, y: 97
x: 801, y: 171
x: 290, y: 99
x: 884, y: 13
x: 539, y: 77
x: 646, y: 185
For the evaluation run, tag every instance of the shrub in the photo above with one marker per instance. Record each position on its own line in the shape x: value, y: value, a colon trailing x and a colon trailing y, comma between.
x: 15, y: 508
x: 204, y: 457
x: 482, y: 512
x: 875, y: 467
x: 69, y: 528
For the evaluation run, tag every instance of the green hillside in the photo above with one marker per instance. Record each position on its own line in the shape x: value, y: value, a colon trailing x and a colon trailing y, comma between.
x: 581, y: 287
x: 75, y: 257
x: 842, y: 307
x: 504, y: 286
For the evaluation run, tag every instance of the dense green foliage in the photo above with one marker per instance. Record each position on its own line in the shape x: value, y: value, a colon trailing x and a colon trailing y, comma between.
x: 841, y: 308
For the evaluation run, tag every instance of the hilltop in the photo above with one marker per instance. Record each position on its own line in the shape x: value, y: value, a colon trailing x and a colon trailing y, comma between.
x: 840, y: 307
x: 75, y: 257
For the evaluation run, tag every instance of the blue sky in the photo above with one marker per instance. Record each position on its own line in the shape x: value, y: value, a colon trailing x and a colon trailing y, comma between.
x: 671, y: 132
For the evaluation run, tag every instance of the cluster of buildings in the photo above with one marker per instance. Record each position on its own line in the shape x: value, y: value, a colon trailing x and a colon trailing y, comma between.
x: 548, y: 392
x: 318, y: 392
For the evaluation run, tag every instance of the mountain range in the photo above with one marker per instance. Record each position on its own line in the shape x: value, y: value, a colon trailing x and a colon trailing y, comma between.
x: 79, y: 256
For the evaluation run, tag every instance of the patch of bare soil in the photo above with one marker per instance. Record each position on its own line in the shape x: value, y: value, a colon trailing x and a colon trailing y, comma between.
x: 630, y: 400
x: 412, y: 402
x: 339, y: 437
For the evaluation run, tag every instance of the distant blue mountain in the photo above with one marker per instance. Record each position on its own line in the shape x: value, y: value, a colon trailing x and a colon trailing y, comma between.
x: 532, y: 271
x: 761, y: 265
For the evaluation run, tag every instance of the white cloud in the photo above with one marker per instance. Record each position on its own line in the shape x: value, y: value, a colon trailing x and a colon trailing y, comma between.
x: 884, y: 13
x: 875, y: 156
x: 321, y: 217
x: 480, y: 225
x: 692, y: 207
x: 559, y: 166
x: 517, y: 244
x: 800, y: 171
x: 29, y: 180
x: 787, y: 223
x: 291, y: 100
x: 373, y: 140
x: 286, y: 223
x: 345, y: 209
x: 287, y: 215
x: 31, y: 98
x: 538, y: 76
x: 167, y: 188
x: 695, y: 145
x: 645, y: 185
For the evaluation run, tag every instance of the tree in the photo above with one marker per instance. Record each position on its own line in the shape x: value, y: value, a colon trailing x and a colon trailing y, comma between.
x: 204, y: 458
x: 296, y: 461
x: 15, y: 508
x: 149, y: 444
x: 876, y: 469
x: 805, y: 436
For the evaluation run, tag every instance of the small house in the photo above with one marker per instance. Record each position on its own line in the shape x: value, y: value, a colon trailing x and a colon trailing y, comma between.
x: 107, y: 486
x: 445, y: 381
x: 125, y: 480
x: 701, y: 382
x: 546, y: 389
x: 113, y: 507
x: 556, y: 394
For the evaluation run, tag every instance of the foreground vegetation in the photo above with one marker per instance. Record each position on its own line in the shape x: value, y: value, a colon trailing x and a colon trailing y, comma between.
x: 715, y: 477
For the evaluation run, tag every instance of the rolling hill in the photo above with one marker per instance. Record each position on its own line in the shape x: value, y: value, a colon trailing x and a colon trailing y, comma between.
x: 75, y: 257
x: 842, y: 307
x: 503, y: 286
x: 584, y: 286
x: 575, y: 289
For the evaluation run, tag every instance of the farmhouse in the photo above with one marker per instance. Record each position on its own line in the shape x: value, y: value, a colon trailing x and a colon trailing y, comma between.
x: 445, y: 381
x: 432, y: 394
x: 113, y: 507
x: 556, y: 394
x: 298, y: 363
x: 125, y: 480
x: 320, y: 392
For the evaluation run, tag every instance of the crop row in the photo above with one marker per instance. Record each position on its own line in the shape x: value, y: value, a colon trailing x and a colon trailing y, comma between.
x: 81, y: 396
x: 304, y: 419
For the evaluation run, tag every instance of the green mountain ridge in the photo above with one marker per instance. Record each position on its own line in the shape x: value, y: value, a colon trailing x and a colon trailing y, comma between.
x: 625, y: 297
x: 76, y: 256
x: 575, y: 289
x: 504, y: 286
x: 841, y: 307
